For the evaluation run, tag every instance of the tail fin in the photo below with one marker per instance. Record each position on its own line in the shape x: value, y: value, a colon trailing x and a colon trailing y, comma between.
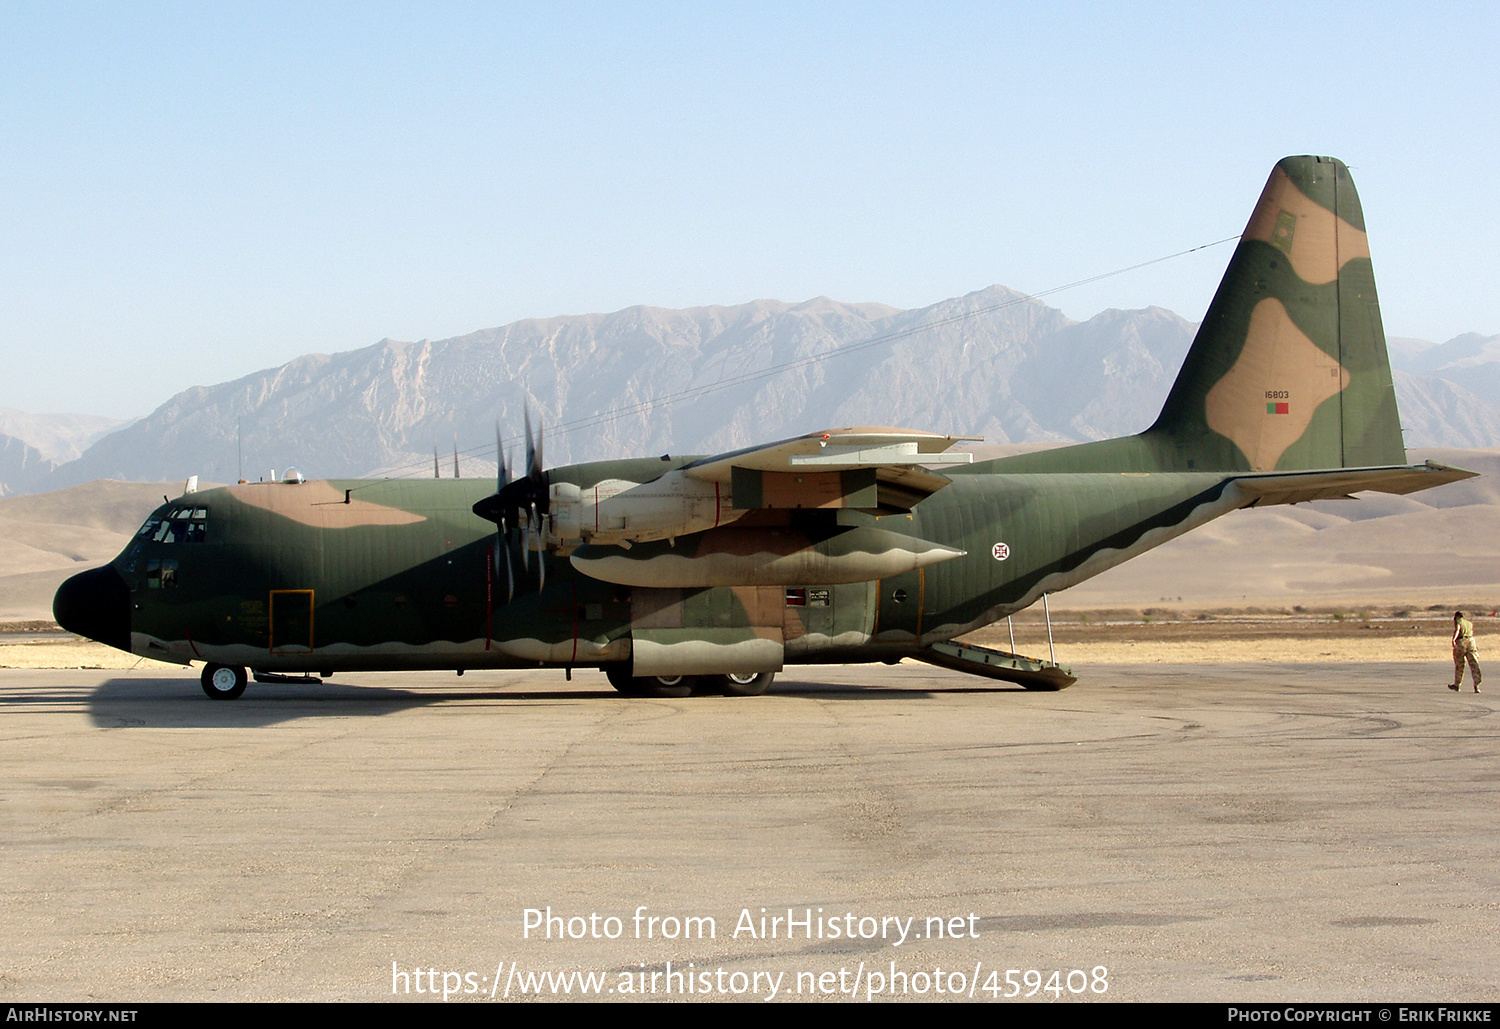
x: 1289, y: 369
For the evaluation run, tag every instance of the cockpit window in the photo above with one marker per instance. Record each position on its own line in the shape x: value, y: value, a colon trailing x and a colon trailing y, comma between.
x: 197, y: 527
x: 177, y: 525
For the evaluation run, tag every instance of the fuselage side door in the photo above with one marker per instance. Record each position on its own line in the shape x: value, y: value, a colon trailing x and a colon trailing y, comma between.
x: 900, y: 599
x: 291, y: 621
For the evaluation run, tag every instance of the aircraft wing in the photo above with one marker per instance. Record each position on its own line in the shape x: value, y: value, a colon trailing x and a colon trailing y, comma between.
x: 847, y: 467
x: 1342, y: 483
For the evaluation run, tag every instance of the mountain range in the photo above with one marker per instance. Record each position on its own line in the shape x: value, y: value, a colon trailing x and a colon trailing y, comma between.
x: 645, y: 380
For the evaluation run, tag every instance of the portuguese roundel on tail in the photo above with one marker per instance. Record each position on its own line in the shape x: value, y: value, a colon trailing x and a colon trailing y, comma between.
x: 861, y: 544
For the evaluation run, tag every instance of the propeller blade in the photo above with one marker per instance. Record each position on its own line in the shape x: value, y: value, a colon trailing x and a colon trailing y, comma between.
x: 502, y: 546
x: 519, y: 507
x: 502, y: 471
x: 542, y: 555
x: 536, y: 470
x: 530, y: 444
x: 510, y: 576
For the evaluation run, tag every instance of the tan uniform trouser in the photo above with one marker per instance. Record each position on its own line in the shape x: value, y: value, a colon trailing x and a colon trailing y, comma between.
x: 1464, y: 650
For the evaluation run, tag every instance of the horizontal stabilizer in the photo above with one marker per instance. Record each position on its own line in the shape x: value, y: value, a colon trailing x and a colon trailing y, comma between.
x: 1341, y: 483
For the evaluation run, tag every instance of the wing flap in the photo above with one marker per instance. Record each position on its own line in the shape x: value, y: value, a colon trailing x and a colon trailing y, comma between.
x: 832, y: 468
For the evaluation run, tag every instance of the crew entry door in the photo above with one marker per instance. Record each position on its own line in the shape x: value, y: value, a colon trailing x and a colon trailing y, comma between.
x: 291, y: 621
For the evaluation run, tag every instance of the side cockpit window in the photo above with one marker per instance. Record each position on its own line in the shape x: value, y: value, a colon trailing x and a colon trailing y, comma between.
x: 177, y: 525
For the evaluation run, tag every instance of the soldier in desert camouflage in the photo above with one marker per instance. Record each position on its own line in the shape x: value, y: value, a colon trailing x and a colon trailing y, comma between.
x: 1463, y: 648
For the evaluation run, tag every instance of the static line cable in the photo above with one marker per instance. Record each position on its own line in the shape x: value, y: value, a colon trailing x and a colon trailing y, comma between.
x: 695, y: 392
x: 692, y: 393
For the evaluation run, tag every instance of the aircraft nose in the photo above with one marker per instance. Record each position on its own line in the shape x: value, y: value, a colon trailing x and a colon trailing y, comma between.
x: 95, y: 604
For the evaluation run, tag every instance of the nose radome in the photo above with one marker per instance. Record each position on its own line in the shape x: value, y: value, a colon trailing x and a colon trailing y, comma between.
x: 95, y: 604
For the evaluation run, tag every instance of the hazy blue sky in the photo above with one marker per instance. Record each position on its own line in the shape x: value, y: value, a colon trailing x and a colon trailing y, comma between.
x: 191, y: 192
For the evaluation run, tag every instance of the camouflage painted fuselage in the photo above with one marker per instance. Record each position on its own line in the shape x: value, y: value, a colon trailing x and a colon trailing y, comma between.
x: 289, y: 577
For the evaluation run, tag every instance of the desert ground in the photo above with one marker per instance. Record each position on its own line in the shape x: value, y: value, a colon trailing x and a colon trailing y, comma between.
x: 1165, y: 832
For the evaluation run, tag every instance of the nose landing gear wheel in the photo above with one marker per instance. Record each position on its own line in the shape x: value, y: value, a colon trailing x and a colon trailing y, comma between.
x: 224, y: 682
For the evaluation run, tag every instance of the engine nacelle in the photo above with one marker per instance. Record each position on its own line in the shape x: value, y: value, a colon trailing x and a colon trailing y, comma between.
x: 618, y: 511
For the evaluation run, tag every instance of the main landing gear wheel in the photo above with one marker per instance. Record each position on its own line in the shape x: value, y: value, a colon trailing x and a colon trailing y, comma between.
x: 745, y: 684
x: 619, y: 677
x: 666, y: 685
x: 650, y: 685
x: 224, y: 682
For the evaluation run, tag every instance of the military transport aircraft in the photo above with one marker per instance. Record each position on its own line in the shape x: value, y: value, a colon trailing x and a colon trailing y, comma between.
x: 847, y: 545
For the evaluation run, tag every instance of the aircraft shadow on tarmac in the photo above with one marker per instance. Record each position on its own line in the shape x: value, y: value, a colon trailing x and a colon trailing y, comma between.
x: 847, y: 691
x: 177, y: 703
